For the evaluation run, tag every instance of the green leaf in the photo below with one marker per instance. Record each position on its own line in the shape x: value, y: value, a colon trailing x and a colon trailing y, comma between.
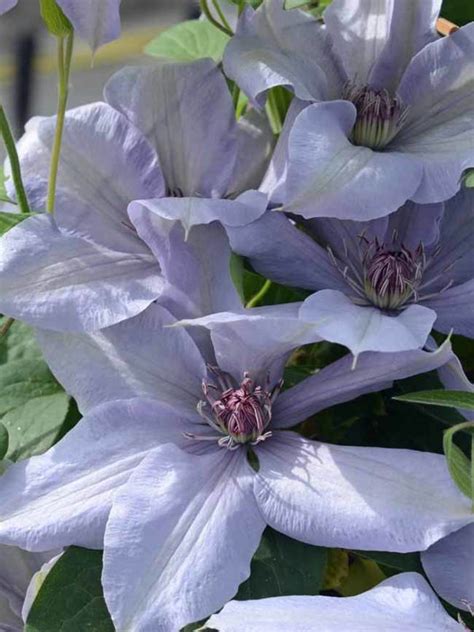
x: 252, y: 3
x: 406, y: 562
x: 3, y: 191
x: 9, y: 220
x: 297, y: 4
x: 460, y: 467
x: 188, y: 41
x: 70, y: 598
x: 363, y: 575
x: 458, y: 11
x: 19, y: 343
x: 33, y: 405
x: 469, y: 179
x: 451, y: 399
x: 3, y: 441
x: 315, y: 7
x: 252, y: 284
x: 283, y: 566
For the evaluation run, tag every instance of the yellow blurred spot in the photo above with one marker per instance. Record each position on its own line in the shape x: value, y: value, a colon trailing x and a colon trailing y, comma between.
x: 337, y: 569
x: 128, y: 46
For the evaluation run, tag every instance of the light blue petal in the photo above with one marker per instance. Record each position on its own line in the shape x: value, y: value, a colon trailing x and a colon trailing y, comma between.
x: 398, y: 604
x: 186, y: 528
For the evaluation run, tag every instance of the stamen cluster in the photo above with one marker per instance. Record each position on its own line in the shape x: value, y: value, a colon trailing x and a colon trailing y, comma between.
x: 240, y: 412
x: 391, y: 276
x: 379, y: 116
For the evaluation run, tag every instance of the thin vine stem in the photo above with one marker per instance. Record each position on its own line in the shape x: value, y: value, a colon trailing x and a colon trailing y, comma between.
x: 221, y: 15
x: 207, y: 12
x: 10, y: 147
x: 65, y: 48
x: 259, y: 295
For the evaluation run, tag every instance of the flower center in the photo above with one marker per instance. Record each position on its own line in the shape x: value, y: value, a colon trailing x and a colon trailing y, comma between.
x: 379, y: 116
x: 239, y: 412
x: 391, y: 277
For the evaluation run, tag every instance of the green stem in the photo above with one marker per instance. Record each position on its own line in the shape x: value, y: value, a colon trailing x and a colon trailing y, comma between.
x: 273, y: 113
x: 260, y: 294
x: 235, y: 96
x: 221, y: 15
x: 472, y: 473
x: 64, y: 69
x: 10, y: 146
x: 205, y: 9
x: 6, y: 326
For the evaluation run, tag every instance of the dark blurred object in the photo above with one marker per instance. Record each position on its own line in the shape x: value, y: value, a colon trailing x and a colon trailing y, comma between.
x: 458, y: 11
x: 18, y: 37
x: 25, y: 52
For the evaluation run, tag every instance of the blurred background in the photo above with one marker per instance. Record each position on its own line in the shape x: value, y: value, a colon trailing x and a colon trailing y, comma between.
x: 28, y: 63
x: 28, y: 55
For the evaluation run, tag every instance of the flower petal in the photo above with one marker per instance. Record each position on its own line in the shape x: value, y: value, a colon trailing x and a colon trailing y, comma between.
x: 365, y: 328
x: 345, y: 237
x: 290, y: 256
x: 186, y: 112
x: 64, y: 496
x: 97, y: 21
x: 414, y: 224
x: 340, y: 382
x: 275, y: 178
x: 400, y: 603
x: 328, y: 176
x: 257, y: 341
x: 255, y: 142
x: 411, y: 27
x: 376, y: 39
x: 449, y: 565
x: 196, y: 269
x: 58, y: 281
x: 6, y: 5
x: 274, y: 47
x: 193, y: 211
x: 358, y: 498
x: 105, y: 162
x: 455, y: 259
x: 187, y: 526
x: 17, y: 567
x: 438, y: 88
x: 141, y: 357
x: 454, y: 309
x: 453, y: 377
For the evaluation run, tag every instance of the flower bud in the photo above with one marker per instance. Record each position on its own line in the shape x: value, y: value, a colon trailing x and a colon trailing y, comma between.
x: 55, y: 20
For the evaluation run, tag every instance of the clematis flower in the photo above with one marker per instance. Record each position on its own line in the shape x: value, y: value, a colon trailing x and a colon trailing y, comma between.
x: 97, y: 21
x: 163, y: 482
x: 93, y: 264
x: 449, y: 565
x: 400, y: 603
x: 381, y: 285
x: 17, y: 592
x: 392, y: 115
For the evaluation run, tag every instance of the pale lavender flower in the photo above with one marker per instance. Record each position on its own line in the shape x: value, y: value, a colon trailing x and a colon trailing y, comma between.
x: 17, y: 569
x: 449, y: 565
x: 392, y: 117
x: 163, y: 483
x: 400, y: 603
x: 93, y: 264
x: 381, y: 285
x: 97, y: 21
